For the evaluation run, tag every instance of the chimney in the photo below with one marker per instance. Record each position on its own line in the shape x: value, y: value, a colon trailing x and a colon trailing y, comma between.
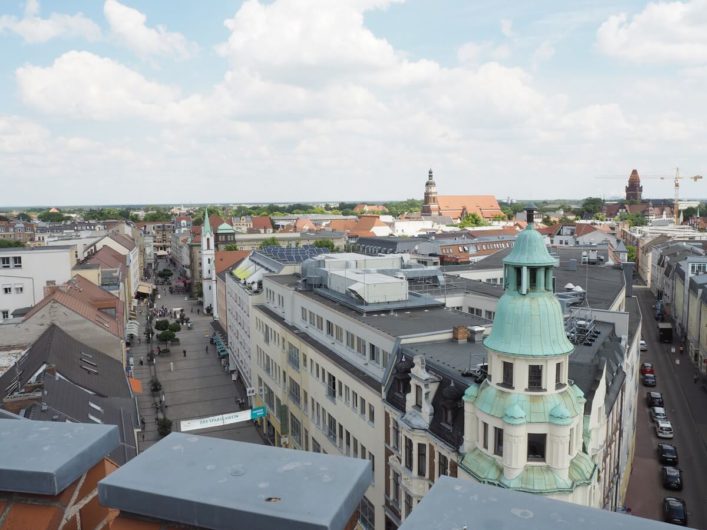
x: 477, y: 334
x: 460, y: 334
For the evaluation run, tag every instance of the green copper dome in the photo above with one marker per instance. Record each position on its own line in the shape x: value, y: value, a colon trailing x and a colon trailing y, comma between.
x: 529, y: 249
x: 529, y: 318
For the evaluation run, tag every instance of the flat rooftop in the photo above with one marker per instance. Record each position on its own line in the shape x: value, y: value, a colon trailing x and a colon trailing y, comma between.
x: 450, y: 356
x: 398, y: 323
x: 454, y: 504
x: 210, y: 482
x: 44, y: 457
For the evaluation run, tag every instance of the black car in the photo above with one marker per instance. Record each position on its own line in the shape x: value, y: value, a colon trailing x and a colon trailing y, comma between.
x: 654, y: 399
x: 648, y: 379
x: 674, y: 511
x: 668, y: 454
x: 672, y: 478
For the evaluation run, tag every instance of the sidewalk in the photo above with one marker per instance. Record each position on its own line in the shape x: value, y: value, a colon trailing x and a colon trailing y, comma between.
x: 195, y: 385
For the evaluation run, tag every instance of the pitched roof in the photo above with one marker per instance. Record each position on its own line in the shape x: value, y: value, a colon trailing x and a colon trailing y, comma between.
x: 227, y: 258
x: 342, y: 225
x: 261, y: 222
x: 123, y: 240
x: 108, y: 257
x: 366, y: 223
x: 484, y: 205
x: 73, y: 360
x: 505, y: 231
x: 302, y: 224
x: 215, y: 221
x: 582, y: 229
x: 89, y: 301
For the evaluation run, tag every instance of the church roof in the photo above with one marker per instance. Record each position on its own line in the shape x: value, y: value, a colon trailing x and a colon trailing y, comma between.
x: 484, y: 205
x: 225, y: 228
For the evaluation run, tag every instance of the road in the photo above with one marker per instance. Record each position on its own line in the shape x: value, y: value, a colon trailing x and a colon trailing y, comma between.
x: 195, y: 385
x: 686, y: 405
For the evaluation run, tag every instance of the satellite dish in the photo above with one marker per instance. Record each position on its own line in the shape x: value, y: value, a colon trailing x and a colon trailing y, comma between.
x: 569, y: 287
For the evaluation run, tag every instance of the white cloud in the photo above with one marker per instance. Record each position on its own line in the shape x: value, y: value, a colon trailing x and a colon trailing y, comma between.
x: 542, y: 53
x: 19, y: 135
x: 507, y: 28
x: 84, y: 85
x: 34, y: 29
x: 128, y: 27
x: 662, y: 32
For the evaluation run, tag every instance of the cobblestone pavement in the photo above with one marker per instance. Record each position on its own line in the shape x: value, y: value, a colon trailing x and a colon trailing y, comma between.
x: 195, y: 385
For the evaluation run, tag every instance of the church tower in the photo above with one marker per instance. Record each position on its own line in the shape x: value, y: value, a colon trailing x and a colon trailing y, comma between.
x: 634, y: 190
x: 208, y: 264
x: 430, y: 205
x: 523, y: 425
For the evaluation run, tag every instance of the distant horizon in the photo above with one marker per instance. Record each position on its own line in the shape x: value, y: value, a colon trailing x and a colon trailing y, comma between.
x: 4, y: 208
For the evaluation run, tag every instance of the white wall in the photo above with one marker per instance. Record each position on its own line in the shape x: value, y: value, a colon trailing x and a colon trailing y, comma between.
x: 26, y: 282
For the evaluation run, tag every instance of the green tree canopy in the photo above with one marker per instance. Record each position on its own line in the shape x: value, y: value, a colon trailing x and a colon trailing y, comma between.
x: 162, y: 325
x: 325, y: 243
x: 166, y: 336
x: 231, y: 246
x: 23, y: 217
x: 633, y: 219
x: 592, y: 205
x: 471, y: 220
x: 10, y: 243
x: 51, y: 217
x: 269, y: 242
x: 631, y: 253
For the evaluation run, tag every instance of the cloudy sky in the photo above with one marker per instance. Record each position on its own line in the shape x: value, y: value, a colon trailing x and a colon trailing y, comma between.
x: 308, y: 100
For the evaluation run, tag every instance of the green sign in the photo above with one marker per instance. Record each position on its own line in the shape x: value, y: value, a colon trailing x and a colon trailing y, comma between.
x: 257, y: 412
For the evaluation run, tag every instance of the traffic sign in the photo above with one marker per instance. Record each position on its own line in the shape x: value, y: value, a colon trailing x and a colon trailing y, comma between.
x: 257, y: 412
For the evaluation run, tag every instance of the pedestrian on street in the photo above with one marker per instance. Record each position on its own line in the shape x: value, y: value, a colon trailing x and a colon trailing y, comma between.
x: 695, y: 378
x: 171, y: 366
x: 184, y: 352
x: 207, y: 349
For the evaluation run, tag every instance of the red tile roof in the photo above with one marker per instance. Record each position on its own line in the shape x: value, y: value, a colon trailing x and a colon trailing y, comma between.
x: 227, y: 258
x: 261, y: 222
x: 454, y: 205
x: 123, y: 240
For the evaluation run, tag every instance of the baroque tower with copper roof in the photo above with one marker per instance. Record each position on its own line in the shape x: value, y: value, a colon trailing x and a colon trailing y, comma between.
x: 524, y: 424
x: 634, y: 190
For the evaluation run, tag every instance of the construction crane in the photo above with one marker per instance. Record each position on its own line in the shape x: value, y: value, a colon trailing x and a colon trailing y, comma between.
x: 676, y: 184
x: 677, y: 179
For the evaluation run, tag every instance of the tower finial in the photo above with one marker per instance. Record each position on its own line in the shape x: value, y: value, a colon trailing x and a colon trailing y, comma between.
x: 429, y: 175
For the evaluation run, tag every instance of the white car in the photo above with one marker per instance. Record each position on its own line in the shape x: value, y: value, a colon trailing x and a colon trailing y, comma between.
x: 658, y: 414
x: 643, y: 345
x: 664, y: 429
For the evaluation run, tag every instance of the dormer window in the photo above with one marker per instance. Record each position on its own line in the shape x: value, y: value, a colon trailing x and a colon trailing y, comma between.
x: 418, y: 397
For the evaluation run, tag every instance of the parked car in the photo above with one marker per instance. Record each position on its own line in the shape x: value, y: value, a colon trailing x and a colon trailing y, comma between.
x: 654, y: 399
x: 674, y: 511
x: 647, y: 368
x: 668, y: 454
x: 643, y: 345
x: 658, y: 414
x: 648, y: 380
x: 672, y: 477
x: 664, y: 429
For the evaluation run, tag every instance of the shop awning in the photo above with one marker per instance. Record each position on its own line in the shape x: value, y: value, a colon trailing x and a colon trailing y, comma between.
x: 145, y: 288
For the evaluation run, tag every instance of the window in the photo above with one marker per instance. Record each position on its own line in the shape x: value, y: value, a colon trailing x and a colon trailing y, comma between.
x: 535, y: 377
x: 408, y: 453
x: 408, y: 504
x: 360, y: 346
x: 536, y: 447
x: 331, y: 428
x: 341, y: 435
x: 421, y: 460
x: 490, y: 314
x: 558, y: 374
x: 19, y: 289
x: 350, y: 340
x: 363, y: 407
x: 7, y: 289
x: 367, y: 516
x: 295, y: 430
x: 363, y: 451
x: 395, y: 493
x: 443, y: 468
x: 316, y: 448
x: 294, y: 392
x: 312, y: 317
x: 497, y: 441
x: 304, y: 314
x: 17, y: 262
x: 331, y: 386
x: 348, y: 443
x: 374, y: 353
x: 371, y: 413
x: 507, y: 374
x: 329, y: 328
x: 418, y: 397
x: 338, y: 333
x: 396, y: 435
x: 293, y: 355
x: 354, y: 400
x: 5, y: 263
x: 5, y: 314
x: 320, y: 323
x: 372, y: 458
x: 485, y: 434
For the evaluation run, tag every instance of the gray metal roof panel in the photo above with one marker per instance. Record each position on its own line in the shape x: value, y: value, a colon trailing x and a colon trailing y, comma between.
x: 45, y: 457
x: 453, y: 504
x: 209, y: 482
